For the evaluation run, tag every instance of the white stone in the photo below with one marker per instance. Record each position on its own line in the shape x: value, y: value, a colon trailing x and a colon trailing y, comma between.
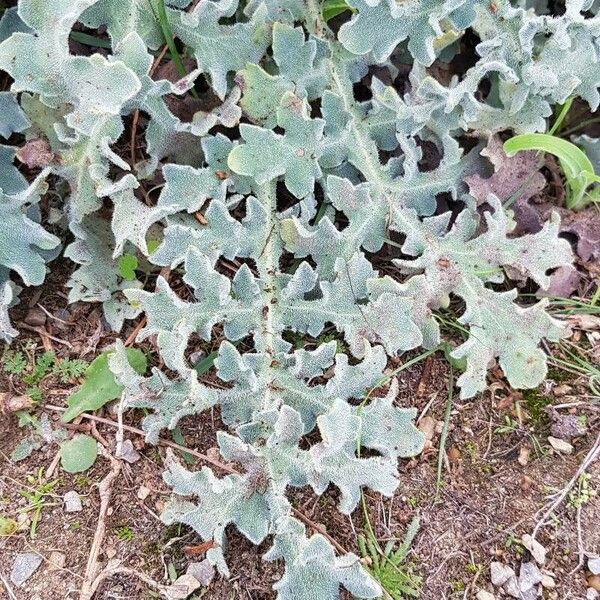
x: 25, y: 565
x: 537, y: 550
x: 593, y: 565
x: 548, y: 582
x: 143, y: 492
x: 500, y: 573
x: 72, y: 502
x: 560, y: 445
x: 183, y: 587
x: 483, y: 595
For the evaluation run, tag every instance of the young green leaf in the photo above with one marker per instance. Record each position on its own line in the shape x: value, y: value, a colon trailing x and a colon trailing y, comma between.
x: 577, y: 167
x: 128, y: 263
x: 99, y: 386
x: 204, y: 365
x: 78, y: 454
x: 333, y: 8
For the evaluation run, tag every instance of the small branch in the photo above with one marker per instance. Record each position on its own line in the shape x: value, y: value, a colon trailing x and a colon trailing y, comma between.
x: 559, y: 498
x: 45, y: 336
x: 136, y: 114
x: 161, y: 441
x: 580, y: 546
x: 92, y: 568
x: 424, y: 379
x: 7, y: 587
x: 118, y: 570
x: 319, y: 529
x: 131, y: 337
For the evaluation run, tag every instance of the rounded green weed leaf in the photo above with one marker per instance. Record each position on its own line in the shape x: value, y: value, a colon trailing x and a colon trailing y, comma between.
x: 78, y: 454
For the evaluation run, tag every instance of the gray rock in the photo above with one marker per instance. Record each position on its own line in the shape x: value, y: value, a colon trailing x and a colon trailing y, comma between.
x: 511, y: 587
x: 500, y: 573
x: 537, y: 550
x: 72, y: 502
x: 591, y: 594
x: 560, y: 445
x: 567, y: 427
x: 182, y: 587
x: 25, y: 565
x: 128, y: 452
x: 529, y: 576
x: 203, y: 571
x: 530, y: 594
x: 594, y: 565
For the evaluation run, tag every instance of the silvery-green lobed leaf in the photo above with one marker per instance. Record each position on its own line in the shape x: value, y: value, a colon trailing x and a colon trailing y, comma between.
x: 13, y: 118
x: 7, y: 331
x: 266, y: 155
x: 299, y: 227
x: 21, y: 239
x: 380, y: 25
x: 312, y: 571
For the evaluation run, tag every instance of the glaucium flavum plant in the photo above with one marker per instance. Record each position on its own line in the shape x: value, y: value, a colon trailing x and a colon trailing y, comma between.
x: 322, y: 201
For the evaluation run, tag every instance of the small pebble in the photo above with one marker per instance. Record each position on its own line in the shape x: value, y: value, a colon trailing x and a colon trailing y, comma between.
x: 203, y: 571
x: 593, y: 566
x: 526, y: 482
x: 594, y: 582
x: 182, y: 587
x: 143, y: 492
x: 523, y: 456
x: 56, y: 560
x: 128, y: 452
x: 500, y: 573
x: 454, y: 454
x: 537, y: 550
x: 483, y: 595
x: 427, y: 427
x: 36, y: 317
x: 560, y: 445
x: 548, y: 582
x: 72, y: 502
x: 561, y: 390
x: 25, y: 565
x: 591, y: 594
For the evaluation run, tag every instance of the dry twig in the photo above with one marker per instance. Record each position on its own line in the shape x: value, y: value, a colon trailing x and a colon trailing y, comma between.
x: 89, y: 585
x: 560, y: 496
x: 7, y: 587
x: 110, y: 571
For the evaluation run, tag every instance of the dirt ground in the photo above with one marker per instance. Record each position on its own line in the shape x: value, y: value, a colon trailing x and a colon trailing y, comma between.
x: 494, y: 484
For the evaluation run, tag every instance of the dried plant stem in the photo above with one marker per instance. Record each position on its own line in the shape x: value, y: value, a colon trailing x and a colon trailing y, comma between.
x: 444, y: 435
x: 118, y: 570
x: 7, y: 587
x: 560, y: 496
x: 92, y: 567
